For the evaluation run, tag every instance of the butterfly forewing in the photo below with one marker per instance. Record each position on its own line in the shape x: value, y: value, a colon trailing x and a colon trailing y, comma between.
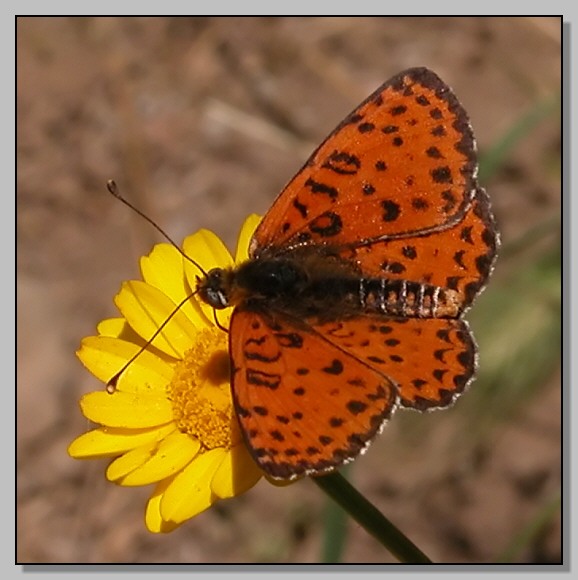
x: 304, y: 406
x: 401, y: 164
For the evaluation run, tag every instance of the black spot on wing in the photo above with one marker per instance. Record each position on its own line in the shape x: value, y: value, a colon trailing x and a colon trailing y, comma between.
x: 342, y: 163
x: 326, y: 225
x: 317, y: 187
x: 442, y: 174
x: 335, y: 368
x: 391, y: 210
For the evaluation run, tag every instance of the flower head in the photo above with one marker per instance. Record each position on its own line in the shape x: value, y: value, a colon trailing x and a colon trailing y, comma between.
x: 170, y: 420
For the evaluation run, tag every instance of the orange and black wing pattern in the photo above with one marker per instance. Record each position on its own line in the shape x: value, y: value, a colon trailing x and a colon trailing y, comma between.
x: 402, y: 164
x: 304, y: 406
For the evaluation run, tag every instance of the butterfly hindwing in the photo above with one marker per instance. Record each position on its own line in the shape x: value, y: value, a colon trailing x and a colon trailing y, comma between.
x: 459, y: 258
x: 430, y: 360
x: 304, y: 405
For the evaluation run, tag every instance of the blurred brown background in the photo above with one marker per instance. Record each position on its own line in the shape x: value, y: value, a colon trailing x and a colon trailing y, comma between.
x: 202, y: 121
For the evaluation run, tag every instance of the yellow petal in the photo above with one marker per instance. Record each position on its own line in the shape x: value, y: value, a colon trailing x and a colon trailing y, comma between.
x: 208, y: 250
x: 163, y: 269
x: 111, y: 327
x: 108, y: 441
x: 120, y: 328
x: 126, y: 410
x: 237, y: 473
x: 129, y: 461
x: 153, y: 520
x: 146, y: 308
x: 190, y: 493
x: 247, y: 230
x: 104, y: 357
x: 170, y: 456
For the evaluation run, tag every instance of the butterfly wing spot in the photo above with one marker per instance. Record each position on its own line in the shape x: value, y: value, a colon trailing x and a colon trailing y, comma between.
x: 422, y: 100
x: 419, y: 204
x: 301, y: 208
x: 398, y: 110
x: 365, y: 127
x: 277, y: 435
x: 409, y: 252
x: 336, y: 368
x: 434, y: 152
x: 389, y: 129
x: 352, y: 118
x: 356, y: 407
x: 394, y: 267
x: 326, y: 225
x: 450, y: 199
x: 258, y: 378
x: 466, y: 235
x: 367, y: 188
x: 459, y: 259
x: 316, y: 187
x: 391, y: 210
x: 439, y: 354
x: 342, y: 163
x: 442, y: 174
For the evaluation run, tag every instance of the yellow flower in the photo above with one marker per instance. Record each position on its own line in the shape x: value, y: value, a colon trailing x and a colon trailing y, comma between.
x: 170, y: 420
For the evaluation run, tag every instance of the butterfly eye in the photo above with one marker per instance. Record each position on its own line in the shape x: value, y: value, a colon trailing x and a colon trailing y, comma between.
x: 212, y: 289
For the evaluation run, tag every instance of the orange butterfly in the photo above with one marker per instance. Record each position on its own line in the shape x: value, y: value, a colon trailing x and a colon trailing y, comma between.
x: 351, y: 302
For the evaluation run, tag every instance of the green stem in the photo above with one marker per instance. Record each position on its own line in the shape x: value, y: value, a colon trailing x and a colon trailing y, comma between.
x: 370, y: 518
x: 335, y: 526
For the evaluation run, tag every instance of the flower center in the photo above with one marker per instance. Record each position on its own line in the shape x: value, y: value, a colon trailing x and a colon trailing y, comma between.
x: 201, y: 395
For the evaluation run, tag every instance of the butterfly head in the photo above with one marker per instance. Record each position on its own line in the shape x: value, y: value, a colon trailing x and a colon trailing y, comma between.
x: 215, y: 288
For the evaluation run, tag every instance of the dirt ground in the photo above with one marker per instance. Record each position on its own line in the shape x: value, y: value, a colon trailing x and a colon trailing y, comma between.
x: 202, y: 121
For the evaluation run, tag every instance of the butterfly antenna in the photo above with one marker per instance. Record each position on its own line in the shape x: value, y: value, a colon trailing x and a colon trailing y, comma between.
x: 113, y: 189
x: 111, y: 385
